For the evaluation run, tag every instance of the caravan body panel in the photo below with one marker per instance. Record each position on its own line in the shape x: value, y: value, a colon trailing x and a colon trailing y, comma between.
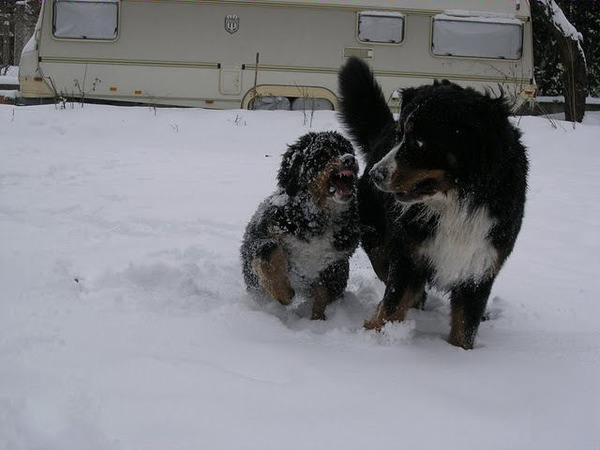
x: 225, y: 53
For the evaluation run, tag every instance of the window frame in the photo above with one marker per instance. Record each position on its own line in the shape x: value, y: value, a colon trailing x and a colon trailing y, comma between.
x: 55, y: 15
x: 478, y: 19
x: 383, y: 14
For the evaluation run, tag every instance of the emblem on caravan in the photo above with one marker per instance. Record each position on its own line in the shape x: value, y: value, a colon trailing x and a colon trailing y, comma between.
x: 232, y: 23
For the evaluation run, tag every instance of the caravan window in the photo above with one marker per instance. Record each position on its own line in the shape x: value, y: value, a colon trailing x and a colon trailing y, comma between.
x: 484, y: 37
x: 81, y: 19
x: 381, y: 26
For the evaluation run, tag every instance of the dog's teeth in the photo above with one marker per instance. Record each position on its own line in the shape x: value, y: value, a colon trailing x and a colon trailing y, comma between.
x: 332, y: 189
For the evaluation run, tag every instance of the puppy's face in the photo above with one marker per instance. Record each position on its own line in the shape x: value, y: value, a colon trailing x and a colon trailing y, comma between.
x: 322, y: 164
x: 336, y: 180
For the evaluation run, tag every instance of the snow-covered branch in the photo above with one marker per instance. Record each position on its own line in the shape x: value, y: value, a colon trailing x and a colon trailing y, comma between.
x: 560, y: 22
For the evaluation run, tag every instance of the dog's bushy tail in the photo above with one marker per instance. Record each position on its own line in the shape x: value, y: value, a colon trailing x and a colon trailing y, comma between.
x: 363, y: 108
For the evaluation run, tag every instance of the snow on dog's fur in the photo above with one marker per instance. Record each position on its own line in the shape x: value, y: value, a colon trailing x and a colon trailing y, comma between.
x: 302, y: 236
x: 442, y: 198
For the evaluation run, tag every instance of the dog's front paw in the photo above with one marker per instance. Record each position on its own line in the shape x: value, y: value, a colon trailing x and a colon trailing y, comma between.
x: 378, y: 320
x: 321, y: 299
x: 283, y: 294
x: 319, y: 315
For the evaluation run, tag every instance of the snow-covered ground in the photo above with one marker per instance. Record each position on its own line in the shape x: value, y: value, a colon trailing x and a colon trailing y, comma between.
x: 9, y: 78
x: 9, y: 75
x: 124, y: 322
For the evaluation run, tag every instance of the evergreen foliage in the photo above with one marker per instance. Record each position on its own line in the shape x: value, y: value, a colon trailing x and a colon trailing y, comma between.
x: 585, y: 16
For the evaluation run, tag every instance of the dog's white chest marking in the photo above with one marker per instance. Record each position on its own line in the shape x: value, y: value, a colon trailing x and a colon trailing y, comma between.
x: 460, y: 249
x: 309, y: 259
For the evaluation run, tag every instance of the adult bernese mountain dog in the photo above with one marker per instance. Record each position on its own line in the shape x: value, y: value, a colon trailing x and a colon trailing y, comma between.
x: 302, y: 236
x: 442, y: 197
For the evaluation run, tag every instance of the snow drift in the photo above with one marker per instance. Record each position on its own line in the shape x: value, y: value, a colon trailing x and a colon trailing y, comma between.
x: 124, y: 322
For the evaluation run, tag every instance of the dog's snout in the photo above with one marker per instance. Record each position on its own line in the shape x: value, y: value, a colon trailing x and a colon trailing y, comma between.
x: 378, y: 174
x: 347, y: 161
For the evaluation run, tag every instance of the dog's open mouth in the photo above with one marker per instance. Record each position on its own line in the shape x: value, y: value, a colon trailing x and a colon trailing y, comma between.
x: 423, y: 189
x: 341, y: 185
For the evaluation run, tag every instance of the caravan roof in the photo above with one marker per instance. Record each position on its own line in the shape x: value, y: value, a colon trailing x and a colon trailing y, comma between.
x: 510, y: 7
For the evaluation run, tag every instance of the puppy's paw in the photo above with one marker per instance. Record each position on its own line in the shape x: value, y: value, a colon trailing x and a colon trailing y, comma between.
x: 283, y: 294
x: 320, y: 301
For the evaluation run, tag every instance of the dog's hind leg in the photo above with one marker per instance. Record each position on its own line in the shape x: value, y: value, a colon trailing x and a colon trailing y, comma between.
x: 375, y: 235
x: 380, y: 260
x: 420, y: 302
x: 468, y: 303
x: 272, y: 276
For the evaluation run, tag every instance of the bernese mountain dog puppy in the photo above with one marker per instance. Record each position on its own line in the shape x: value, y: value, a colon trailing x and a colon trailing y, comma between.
x: 302, y: 236
x: 441, y: 200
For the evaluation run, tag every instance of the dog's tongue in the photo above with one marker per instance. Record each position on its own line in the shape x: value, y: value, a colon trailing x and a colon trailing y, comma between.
x: 344, y: 189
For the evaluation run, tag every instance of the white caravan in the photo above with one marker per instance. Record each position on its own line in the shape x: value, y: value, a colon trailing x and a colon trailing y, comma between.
x: 270, y: 53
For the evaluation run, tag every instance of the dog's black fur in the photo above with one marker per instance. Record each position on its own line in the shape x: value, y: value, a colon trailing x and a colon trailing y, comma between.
x: 302, y: 236
x: 441, y: 200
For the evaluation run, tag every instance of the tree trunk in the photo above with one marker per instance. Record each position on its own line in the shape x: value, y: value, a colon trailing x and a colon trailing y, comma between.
x: 572, y: 56
x: 574, y: 81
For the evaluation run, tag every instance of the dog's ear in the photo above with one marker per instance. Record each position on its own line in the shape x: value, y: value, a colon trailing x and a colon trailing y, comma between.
x: 288, y: 177
x: 443, y: 82
x: 408, y: 95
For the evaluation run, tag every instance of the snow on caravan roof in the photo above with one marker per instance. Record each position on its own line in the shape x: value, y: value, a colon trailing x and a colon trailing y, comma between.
x: 513, y: 7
